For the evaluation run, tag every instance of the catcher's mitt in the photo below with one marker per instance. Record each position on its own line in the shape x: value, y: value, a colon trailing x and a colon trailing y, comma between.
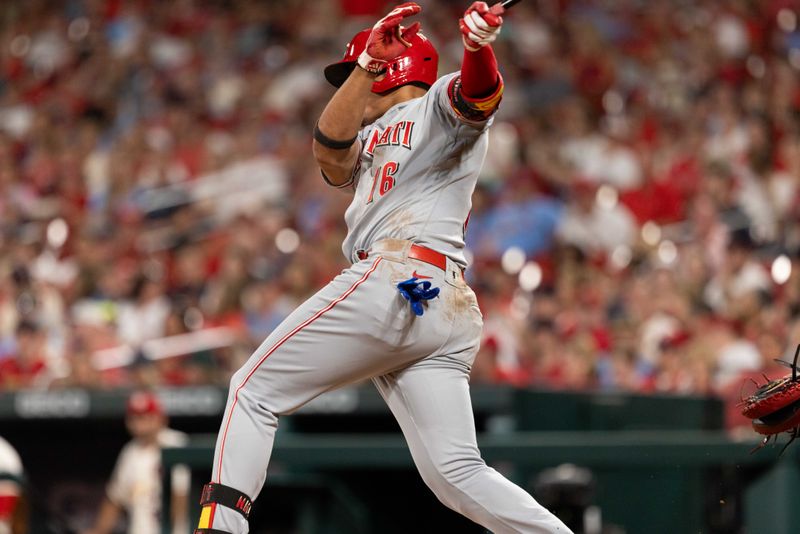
x: 775, y: 406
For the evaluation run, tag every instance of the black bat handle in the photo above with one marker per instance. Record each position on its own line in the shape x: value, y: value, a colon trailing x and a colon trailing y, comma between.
x: 508, y: 3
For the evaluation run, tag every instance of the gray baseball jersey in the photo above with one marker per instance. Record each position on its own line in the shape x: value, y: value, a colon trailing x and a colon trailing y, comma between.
x: 413, y: 183
x: 415, y: 176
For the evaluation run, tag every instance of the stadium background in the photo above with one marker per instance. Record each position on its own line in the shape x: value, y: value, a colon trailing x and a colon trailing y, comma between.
x: 635, y: 230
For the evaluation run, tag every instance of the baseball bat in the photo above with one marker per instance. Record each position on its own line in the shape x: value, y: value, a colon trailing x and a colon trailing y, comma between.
x: 508, y: 3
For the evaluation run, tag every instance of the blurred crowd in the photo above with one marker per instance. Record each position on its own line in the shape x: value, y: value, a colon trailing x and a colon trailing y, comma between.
x: 636, y: 226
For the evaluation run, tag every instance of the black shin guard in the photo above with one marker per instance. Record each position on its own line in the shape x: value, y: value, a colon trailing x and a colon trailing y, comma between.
x: 217, y: 494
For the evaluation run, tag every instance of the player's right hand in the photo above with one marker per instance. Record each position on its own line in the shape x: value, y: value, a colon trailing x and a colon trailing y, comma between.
x: 388, y: 38
x: 480, y: 25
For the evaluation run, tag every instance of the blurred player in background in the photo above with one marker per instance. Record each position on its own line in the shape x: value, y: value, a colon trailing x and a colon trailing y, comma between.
x: 135, y: 485
x: 12, y: 506
x: 409, y: 147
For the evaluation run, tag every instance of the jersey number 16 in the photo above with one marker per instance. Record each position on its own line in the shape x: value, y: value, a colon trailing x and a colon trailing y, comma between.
x: 383, y: 179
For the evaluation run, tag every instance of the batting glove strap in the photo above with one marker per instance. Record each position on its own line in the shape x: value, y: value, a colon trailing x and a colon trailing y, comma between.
x: 370, y: 64
x: 226, y: 496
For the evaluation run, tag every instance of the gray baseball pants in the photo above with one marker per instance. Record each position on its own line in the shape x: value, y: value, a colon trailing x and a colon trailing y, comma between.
x: 359, y: 327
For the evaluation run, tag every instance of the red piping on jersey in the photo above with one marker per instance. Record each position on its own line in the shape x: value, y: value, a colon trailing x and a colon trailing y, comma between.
x: 276, y: 347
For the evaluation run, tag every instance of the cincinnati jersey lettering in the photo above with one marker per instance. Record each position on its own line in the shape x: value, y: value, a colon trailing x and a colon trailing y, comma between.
x: 397, y: 134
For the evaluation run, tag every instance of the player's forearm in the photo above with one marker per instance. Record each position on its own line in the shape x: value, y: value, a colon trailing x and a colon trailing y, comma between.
x: 340, y: 122
x: 180, y: 512
x: 341, y: 118
x: 480, y: 77
x: 480, y: 86
x: 106, y: 518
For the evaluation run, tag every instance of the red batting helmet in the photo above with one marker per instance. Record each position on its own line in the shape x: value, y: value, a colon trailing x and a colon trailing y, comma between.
x: 418, y: 64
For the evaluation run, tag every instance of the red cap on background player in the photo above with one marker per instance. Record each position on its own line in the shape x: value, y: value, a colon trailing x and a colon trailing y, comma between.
x: 144, y: 403
x: 419, y: 64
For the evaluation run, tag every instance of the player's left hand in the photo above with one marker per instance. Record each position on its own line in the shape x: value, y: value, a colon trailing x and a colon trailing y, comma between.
x: 480, y: 25
x: 388, y: 38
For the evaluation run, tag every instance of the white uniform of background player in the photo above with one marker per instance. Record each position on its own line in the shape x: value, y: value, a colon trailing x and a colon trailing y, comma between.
x: 413, y: 169
x: 135, y: 483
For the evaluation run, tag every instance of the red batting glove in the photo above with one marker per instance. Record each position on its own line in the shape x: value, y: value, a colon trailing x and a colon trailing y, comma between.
x: 480, y: 25
x: 388, y: 39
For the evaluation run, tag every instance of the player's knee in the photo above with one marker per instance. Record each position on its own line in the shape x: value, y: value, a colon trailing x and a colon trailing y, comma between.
x: 238, y: 387
x: 250, y: 399
x: 238, y: 378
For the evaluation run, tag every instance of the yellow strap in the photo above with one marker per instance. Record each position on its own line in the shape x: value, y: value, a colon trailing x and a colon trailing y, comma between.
x: 205, y: 517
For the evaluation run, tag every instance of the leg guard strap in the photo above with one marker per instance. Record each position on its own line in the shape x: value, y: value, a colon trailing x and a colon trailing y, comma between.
x: 226, y: 496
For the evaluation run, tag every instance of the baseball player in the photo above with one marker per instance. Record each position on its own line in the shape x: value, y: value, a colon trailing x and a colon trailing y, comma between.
x: 135, y: 484
x: 409, y: 147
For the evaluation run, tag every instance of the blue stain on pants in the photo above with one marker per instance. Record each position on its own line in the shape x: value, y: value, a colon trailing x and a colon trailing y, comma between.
x: 415, y: 292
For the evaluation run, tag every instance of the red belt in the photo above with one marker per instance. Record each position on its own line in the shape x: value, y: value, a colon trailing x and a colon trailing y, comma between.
x: 418, y: 252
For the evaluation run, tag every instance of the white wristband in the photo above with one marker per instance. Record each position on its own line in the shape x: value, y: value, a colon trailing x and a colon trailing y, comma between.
x: 370, y: 64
